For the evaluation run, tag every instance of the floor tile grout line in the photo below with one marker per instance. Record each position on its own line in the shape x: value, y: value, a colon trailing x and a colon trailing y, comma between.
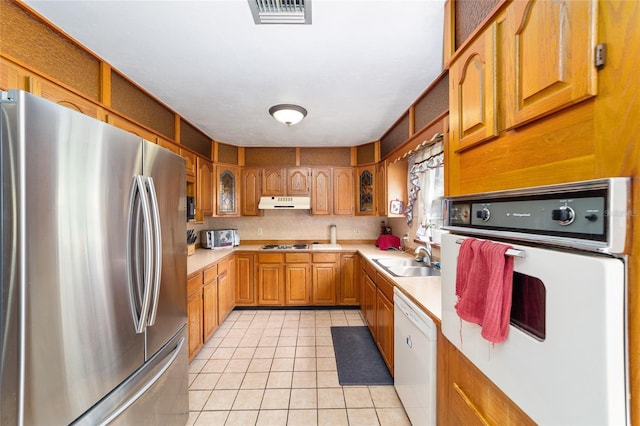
x: 317, y: 388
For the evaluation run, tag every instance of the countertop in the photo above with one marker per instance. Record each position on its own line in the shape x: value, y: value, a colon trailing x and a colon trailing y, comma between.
x: 424, y: 291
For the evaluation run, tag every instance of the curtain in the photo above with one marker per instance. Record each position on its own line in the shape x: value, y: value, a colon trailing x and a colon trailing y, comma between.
x: 426, y: 188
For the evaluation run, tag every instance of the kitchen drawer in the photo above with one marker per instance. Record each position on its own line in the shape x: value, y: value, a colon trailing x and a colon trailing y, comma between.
x: 223, y: 266
x: 326, y: 257
x: 298, y: 257
x: 271, y: 258
x: 385, y: 286
x: 210, y: 274
x: 194, y: 282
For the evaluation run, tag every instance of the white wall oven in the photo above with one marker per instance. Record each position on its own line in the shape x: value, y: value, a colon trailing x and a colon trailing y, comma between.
x: 564, y: 360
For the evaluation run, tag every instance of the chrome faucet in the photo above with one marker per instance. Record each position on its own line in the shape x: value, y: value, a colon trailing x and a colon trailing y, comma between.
x: 426, y: 259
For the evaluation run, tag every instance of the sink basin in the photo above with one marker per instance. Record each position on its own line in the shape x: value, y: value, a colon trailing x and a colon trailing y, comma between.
x: 406, y: 267
x: 392, y: 261
x: 413, y: 271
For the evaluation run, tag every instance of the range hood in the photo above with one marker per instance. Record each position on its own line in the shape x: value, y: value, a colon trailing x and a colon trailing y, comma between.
x: 285, y: 203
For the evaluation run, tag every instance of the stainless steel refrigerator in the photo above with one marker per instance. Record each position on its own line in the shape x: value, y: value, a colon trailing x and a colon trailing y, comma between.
x: 93, y: 302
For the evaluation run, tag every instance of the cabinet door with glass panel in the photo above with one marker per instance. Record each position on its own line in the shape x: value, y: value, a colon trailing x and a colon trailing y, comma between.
x: 228, y: 188
x: 365, y: 191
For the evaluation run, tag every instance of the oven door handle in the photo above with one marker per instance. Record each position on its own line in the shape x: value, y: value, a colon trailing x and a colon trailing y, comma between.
x: 511, y: 252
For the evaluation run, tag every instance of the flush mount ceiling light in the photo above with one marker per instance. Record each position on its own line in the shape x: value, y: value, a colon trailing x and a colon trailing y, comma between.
x: 288, y: 114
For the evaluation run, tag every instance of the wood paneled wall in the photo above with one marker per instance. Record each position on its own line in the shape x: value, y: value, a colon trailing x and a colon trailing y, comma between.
x: 27, y: 39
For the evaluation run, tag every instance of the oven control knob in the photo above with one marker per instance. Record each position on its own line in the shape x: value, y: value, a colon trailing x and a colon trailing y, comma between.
x: 564, y: 215
x: 591, y: 217
x: 483, y: 214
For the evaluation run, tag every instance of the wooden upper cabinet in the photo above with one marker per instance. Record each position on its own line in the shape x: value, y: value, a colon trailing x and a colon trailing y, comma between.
x: 228, y: 190
x: 343, y: 198
x: 382, y: 195
x: 192, y: 166
x: 293, y: 181
x: 66, y: 98
x: 298, y: 181
x: 550, y: 50
x: 130, y: 127
x: 273, y: 181
x: 365, y: 191
x: 205, y: 183
x: 14, y: 76
x: 175, y: 148
x: 321, y: 193
x: 250, y: 192
x: 472, y: 92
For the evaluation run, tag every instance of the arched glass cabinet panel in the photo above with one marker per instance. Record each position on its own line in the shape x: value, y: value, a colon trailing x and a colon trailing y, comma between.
x: 365, y: 191
x: 228, y: 199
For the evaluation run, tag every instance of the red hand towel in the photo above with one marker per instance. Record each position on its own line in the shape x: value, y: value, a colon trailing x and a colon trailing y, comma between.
x: 484, y: 279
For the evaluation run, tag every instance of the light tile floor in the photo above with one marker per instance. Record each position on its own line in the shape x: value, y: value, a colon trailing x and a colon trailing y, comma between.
x: 277, y: 367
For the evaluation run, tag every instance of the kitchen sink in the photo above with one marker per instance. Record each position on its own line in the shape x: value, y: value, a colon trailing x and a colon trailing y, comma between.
x: 392, y: 261
x: 406, y: 267
x: 413, y: 271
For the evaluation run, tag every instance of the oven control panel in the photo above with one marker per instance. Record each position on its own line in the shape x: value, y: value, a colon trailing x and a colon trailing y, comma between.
x: 589, y: 215
x: 585, y: 216
x: 573, y: 215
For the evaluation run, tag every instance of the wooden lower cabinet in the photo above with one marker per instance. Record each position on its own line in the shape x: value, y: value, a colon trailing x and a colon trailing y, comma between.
x: 211, y: 297
x: 297, y: 279
x: 324, y: 283
x: 297, y: 282
x: 349, y: 288
x: 226, y: 288
x: 384, y: 319
x: 376, y: 305
x: 468, y: 397
x: 270, y: 284
x: 324, y: 276
x: 245, y: 294
x: 369, y: 302
x: 384, y: 328
x: 270, y: 279
x: 210, y: 309
x: 194, y: 314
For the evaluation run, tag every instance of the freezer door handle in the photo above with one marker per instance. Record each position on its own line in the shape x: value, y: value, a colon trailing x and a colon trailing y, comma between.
x: 139, y: 213
x: 157, y: 249
x: 131, y: 389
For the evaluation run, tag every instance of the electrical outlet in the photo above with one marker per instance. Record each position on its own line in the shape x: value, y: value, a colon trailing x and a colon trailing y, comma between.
x: 357, y: 231
x: 259, y: 231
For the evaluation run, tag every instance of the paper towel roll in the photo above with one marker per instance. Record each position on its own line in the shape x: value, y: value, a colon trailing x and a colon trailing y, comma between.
x: 332, y: 229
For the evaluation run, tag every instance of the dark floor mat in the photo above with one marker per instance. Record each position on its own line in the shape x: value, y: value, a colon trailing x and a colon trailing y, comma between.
x: 357, y: 357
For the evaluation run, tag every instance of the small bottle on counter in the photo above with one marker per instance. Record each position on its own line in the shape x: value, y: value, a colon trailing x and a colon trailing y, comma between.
x: 383, y: 228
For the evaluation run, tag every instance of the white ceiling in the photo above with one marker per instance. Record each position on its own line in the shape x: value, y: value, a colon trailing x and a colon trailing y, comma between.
x: 356, y: 68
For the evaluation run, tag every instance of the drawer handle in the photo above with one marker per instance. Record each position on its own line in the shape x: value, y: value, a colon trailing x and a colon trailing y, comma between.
x: 470, y: 404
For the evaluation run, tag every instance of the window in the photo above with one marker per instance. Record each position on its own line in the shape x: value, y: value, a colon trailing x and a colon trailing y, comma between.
x: 426, y: 190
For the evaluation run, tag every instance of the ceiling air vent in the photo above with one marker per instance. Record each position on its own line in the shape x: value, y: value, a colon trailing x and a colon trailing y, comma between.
x: 281, y: 11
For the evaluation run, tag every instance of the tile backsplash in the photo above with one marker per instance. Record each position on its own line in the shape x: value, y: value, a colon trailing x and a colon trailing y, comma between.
x: 295, y: 225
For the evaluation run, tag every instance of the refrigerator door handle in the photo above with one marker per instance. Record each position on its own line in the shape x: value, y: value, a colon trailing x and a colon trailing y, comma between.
x: 138, y: 197
x: 157, y: 250
x: 131, y: 389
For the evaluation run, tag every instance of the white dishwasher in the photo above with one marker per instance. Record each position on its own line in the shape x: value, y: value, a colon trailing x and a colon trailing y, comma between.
x: 415, y: 337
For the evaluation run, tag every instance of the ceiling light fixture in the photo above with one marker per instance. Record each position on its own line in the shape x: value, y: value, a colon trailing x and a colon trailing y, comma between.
x: 288, y: 114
